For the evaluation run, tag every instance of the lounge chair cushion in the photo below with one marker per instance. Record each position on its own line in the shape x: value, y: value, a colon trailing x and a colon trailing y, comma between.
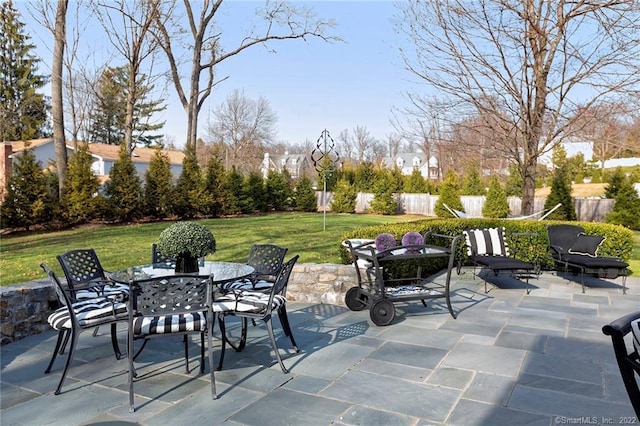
x: 487, y: 242
x: 587, y: 245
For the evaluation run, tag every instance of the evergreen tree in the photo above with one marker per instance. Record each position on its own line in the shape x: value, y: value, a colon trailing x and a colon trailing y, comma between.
x: 561, y: 193
x: 496, y: 204
x: 472, y: 184
x: 158, y: 188
x: 23, y: 111
x: 187, y: 201
x: 364, y: 177
x: 384, y: 200
x: 26, y: 202
x: 617, y: 180
x: 108, y: 115
x: 234, y: 182
x: 396, y: 177
x: 217, y: 194
x: 514, y: 184
x: 415, y: 183
x: 253, y: 194
x: 344, y: 198
x: 449, y: 194
x: 627, y: 206
x: 81, y: 200
x: 278, y: 191
x: 124, y: 190
x: 305, y: 195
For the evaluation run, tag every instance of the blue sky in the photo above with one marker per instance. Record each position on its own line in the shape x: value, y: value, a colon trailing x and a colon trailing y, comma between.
x: 310, y: 85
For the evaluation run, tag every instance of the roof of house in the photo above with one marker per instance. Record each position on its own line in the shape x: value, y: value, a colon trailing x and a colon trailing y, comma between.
x: 105, y: 151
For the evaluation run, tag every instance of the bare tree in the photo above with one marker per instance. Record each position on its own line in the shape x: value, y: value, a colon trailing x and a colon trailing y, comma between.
x: 245, y: 127
x: 524, y: 65
x: 55, y: 21
x: 280, y: 21
x: 132, y: 39
x: 608, y: 127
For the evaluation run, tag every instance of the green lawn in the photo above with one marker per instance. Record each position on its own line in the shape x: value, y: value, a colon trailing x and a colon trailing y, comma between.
x: 119, y: 246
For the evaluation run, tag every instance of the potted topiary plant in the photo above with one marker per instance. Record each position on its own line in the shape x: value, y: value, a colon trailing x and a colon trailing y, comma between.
x: 186, y: 241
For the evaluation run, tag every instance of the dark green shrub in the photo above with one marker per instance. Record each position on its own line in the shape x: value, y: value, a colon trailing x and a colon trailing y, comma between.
x: 278, y: 192
x: 158, y: 188
x: 415, y: 183
x: 496, y: 204
x: 344, y: 198
x: 253, y: 194
x: 384, y: 198
x: 80, y: 202
x: 188, y: 189
x: 305, y: 196
x: 449, y: 194
x: 472, y: 184
x: 561, y: 193
x: 123, y: 190
x: 26, y: 201
x: 626, y: 210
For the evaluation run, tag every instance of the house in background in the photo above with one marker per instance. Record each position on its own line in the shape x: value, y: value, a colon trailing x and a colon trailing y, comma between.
x: 407, y: 162
x: 104, y: 156
x: 296, y: 164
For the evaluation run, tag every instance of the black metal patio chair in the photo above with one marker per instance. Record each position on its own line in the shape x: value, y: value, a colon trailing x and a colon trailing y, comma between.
x: 258, y: 306
x: 74, y: 317
x: 171, y: 305
x: 628, y: 358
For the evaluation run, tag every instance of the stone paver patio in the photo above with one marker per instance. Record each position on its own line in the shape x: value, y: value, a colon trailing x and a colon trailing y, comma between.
x: 509, y: 359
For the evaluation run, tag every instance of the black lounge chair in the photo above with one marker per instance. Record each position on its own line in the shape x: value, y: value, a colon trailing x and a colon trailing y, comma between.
x: 628, y: 361
x: 487, y: 248
x: 573, y: 250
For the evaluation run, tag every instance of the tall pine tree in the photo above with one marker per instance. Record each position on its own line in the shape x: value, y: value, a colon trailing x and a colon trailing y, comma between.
x: 23, y: 111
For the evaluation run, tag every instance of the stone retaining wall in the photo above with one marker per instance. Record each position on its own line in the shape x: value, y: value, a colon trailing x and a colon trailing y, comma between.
x: 24, y: 309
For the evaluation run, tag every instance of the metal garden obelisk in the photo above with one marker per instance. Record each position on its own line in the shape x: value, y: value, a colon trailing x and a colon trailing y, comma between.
x: 325, y: 157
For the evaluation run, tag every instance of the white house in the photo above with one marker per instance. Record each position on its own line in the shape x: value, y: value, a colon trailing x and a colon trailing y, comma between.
x: 407, y: 162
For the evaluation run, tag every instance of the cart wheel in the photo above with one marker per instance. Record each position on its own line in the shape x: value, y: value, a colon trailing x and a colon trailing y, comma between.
x: 382, y: 312
x: 355, y: 300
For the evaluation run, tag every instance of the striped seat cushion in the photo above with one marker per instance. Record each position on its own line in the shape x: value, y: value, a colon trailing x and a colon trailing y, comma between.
x: 247, y: 285
x: 486, y: 242
x: 247, y: 301
x: 89, y: 313
x: 119, y: 292
x: 172, y: 323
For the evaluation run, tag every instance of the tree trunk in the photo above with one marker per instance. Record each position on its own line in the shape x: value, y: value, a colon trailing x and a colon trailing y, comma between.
x: 57, y: 109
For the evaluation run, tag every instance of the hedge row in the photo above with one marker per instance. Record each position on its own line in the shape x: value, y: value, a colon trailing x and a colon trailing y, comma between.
x: 618, y: 239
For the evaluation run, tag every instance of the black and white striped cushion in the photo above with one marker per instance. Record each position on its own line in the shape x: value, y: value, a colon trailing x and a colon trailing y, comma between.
x: 173, y: 323
x: 246, y: 284
x: 89, y: 313
x: 247, y: 301
x: 119, y: 292
x: 486, y: 242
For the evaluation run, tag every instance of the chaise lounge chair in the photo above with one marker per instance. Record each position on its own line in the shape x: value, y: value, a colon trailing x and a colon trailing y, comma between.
x: 487, y: 248
x: 573, y: 250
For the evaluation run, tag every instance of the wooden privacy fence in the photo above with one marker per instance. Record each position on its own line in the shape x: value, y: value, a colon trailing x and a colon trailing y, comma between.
x: 587, y: 209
